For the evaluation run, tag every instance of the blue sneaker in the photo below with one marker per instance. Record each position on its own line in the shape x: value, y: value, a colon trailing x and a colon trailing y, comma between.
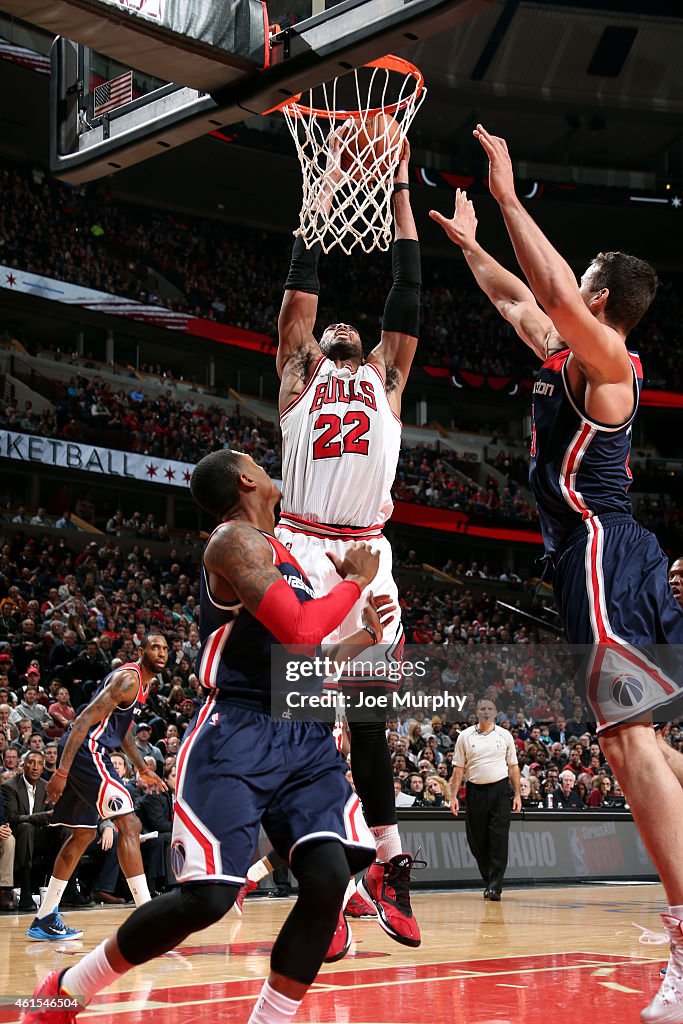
x: 50, y: 928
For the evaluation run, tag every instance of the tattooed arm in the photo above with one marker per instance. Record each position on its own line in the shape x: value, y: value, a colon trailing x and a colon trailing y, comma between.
x: 121, y: 689
x: 239, y: 561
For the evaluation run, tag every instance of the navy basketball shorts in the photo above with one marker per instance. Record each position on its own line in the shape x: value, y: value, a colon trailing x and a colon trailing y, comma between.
x: 93, y: 790
x: 239, y: 768
x: 614, y: 599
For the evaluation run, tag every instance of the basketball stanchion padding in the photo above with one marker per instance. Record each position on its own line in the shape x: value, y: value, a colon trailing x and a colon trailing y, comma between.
x: 350, y: 135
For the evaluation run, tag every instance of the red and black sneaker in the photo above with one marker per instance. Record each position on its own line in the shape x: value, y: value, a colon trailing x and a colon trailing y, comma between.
x: 358, y: 907
x: 248, y: 887
x: 387, y: 887
x: 51, y: 1005
x: 341, y: 941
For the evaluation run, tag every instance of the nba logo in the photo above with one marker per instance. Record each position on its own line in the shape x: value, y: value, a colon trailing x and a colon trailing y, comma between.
x: 214, y: 717
x: 626, y: 690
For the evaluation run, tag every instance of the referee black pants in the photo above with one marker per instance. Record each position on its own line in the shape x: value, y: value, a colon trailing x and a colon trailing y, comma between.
x: 487, y: 823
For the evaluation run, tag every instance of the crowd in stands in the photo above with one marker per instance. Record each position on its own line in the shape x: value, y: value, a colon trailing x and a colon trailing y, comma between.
x: 217, y: 271
x: 427, y: 476
x: 186, y: 430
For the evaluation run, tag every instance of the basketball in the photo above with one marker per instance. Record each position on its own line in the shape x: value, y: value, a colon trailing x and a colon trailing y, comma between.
x: 374, y: 145
x: 627, y: 690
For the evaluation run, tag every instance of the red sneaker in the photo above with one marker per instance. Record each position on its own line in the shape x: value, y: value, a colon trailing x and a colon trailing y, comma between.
x: 341, y: 941
x: 248, y: 887
x: 50, y: 1004
x: 387, y: 887
x: 357, y: 907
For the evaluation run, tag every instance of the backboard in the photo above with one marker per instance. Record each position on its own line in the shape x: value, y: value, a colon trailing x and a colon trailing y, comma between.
x: 308, y: 42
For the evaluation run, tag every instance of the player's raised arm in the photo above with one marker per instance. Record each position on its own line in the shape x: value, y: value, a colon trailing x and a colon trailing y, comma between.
x: 297, y: 346
x: 401, y: 321
x: 121, y: 690
x: 511, y: 297
x: 600, y: 350
x: 242, y: 558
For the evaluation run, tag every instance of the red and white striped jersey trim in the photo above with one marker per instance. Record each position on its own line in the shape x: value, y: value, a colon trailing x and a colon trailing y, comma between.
x: 570, y: 468
x: 604, y: 635
x: 299, y: 525
x: 212, y: 652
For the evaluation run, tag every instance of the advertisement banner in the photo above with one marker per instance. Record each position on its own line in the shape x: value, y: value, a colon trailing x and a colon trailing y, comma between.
x: 48, y: 451
x: 542, y: 848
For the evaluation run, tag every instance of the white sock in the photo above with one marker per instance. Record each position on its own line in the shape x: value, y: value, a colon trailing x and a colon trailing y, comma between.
x: 387, y: 841
x: 51, y: 899
x: 139, y: 889
x: 350, y: 889
x: 89, y: 976
x: 677, y: 912
x: 258, y: 871
x: 273, y: 1008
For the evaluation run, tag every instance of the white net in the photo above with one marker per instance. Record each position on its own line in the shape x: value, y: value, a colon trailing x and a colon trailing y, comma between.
x: 349, y: 136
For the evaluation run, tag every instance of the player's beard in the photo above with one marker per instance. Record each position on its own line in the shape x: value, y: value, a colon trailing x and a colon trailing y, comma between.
x: 342, y: 348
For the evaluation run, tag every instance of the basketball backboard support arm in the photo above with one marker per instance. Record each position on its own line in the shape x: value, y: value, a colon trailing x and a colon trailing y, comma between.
x: 308, y: 53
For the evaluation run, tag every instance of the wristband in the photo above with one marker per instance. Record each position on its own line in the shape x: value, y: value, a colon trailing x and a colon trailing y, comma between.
x: 370, y: 630
x: 401, y: 186
x: 62, y: 775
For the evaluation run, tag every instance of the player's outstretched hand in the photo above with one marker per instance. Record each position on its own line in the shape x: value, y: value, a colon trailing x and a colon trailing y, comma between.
x: 377, y: 613
x: 360, y: 563
x: 462, y: 226
x: 152, y: 781
x: 335, y: 144
x: 402, y: 170
x: 501, y: 176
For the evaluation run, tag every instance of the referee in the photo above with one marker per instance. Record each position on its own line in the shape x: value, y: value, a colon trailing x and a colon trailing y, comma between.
x: 486, y: 753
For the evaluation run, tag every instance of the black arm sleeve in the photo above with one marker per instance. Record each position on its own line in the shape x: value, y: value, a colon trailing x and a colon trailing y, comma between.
x: 402, y: 309
x: 303, y: 270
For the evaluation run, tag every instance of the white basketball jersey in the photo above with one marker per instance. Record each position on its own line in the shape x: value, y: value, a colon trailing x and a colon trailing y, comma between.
x: 340, y: 447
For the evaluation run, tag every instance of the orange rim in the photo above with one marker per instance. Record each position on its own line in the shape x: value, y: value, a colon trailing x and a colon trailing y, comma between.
x: 389, y: 63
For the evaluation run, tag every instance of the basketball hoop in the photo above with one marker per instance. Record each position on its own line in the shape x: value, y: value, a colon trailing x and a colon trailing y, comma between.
x: 349, y: 136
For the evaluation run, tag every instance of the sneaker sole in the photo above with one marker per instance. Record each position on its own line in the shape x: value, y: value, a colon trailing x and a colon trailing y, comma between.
x: 53, y: 938
x: 404, y: 940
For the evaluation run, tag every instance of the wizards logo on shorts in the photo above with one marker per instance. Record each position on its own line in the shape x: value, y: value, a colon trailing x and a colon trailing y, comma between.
x: 178, y: 857
x: 626, y: 690
x: 115, y: 803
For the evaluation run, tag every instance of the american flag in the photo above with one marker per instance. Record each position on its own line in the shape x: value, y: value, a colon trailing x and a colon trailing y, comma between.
x: 114, y: 93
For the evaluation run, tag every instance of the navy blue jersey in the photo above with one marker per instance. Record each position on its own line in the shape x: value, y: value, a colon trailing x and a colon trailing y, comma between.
x: 109, y: 733
x: 579, y: 467
x: 235, y: 652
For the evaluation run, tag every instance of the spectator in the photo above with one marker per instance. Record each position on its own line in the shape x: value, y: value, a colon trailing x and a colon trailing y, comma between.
x: 401, y: 798
x: 147, y: 749
x: 29, y: 818
x: 566, y: 797
x: 64, y: 522
x: 598, y: 795
x: 437, y: 792
x: 7, y: 846
x: 30, y: 709
x: 61, y: 712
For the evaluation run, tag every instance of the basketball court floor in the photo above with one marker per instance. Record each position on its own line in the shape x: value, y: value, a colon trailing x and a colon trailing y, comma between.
x: 566, y: 954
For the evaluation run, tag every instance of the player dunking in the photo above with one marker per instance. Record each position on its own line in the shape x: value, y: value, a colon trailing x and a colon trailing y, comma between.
x: 610, y: 577
x: 87, y: 787
x: 238, y: 766
x: 341, y: 435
